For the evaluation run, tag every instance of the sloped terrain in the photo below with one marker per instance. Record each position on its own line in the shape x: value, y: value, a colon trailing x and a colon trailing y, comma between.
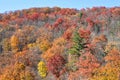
x: 60, y: 43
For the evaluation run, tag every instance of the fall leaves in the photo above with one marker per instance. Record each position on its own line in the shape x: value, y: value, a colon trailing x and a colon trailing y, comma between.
x: 42, y: 69
x: 60, y: 43
x: 56, y: 64
x: 111, y: 69
x: 14, y: 43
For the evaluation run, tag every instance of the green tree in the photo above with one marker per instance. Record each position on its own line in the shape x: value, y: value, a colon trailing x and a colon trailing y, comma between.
x: 75, y: 51
x: 78, y: 44
x: 80, y: 14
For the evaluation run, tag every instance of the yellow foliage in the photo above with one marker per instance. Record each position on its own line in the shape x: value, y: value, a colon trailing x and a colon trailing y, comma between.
x: 31, y: 45
x: 51, y: 52
x: 108, y: 72
x: 26, y: 75
x: 42, y: 69
x: 44, y: 45
x: 60, y: 41
x: 19, y: 66
x: 57, y: 48
x: 13, y: 72
x: 14, y: 43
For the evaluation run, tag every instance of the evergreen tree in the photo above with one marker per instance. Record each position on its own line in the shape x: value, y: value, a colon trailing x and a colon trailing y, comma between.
x: 80, y: 15
x: 77, y: 45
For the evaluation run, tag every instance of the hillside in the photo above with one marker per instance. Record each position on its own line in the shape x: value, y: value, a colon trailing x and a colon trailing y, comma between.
x: 60, y: 44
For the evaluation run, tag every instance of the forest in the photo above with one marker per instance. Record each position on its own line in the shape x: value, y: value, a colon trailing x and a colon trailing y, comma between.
x: 60, y: 44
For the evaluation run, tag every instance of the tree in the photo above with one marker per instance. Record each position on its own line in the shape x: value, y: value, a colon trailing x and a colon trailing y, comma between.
x: 42, y: 69
x: 56, y: 64
x: 58, y: 47
x: 44, y: 45
x: 75, y: 51
x: 14, y: 41
x: 68, y: 33
x: 13, y: 72
x: 77, y: 45
x: 111, y: 70
x: 17, y: 71
x: 85, y: 67
x: 80, y: 15
x: 84, y: 33
x: 6, y: 45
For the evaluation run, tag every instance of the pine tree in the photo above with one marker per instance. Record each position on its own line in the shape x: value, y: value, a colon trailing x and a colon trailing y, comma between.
x: 74, y: 51
x: 77, y: 45
x: 80, y: 15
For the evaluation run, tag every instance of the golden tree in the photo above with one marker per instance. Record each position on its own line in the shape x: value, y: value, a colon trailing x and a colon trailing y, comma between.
x: 58, y: 47
x: 14, y: 41
x: 42, y: 69
x: 44, y: 45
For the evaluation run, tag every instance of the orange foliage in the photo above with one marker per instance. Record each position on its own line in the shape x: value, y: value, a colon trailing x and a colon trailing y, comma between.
x: 68, y: 33
x: 111, y: 70
x: 50, y: 33
x: 86, y: 65
x: 57, y: 48
x: 84, y: 33
x: 101, y: 38
x: 113, y: 55
x: 44, y: 45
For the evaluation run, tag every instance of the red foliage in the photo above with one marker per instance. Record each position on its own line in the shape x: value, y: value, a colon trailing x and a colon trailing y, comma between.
x: 33, y: 16
x: 56, y: 64
x: 89, y: 20
x: 87, y: 63
x: 67, y: 11
x: 19, y: 20
x: 36, y: 25
x: 84, y: 33
x: 67, y: 35
x: 116, y: 11
x: 57, y: 22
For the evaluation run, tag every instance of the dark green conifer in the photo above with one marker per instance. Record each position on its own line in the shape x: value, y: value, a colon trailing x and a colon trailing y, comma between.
x: 77, y: 45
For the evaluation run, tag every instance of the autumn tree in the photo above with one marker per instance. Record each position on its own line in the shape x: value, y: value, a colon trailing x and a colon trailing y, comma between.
x: 40, y: 34
x: 14, y: 41
x: 6, y: 45
x: 58, y: 47
x: 75, y: 51
x: 85, y: 66
x: 68, y: 33
x: 55, y: 64
x: 44, y: 45
x: 17, y: 72
x: 111, y: 70
x: 84, y: 33
x: 42, y: 69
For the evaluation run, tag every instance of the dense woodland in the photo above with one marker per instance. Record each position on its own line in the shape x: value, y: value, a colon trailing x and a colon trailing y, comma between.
x: 60, y: 44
